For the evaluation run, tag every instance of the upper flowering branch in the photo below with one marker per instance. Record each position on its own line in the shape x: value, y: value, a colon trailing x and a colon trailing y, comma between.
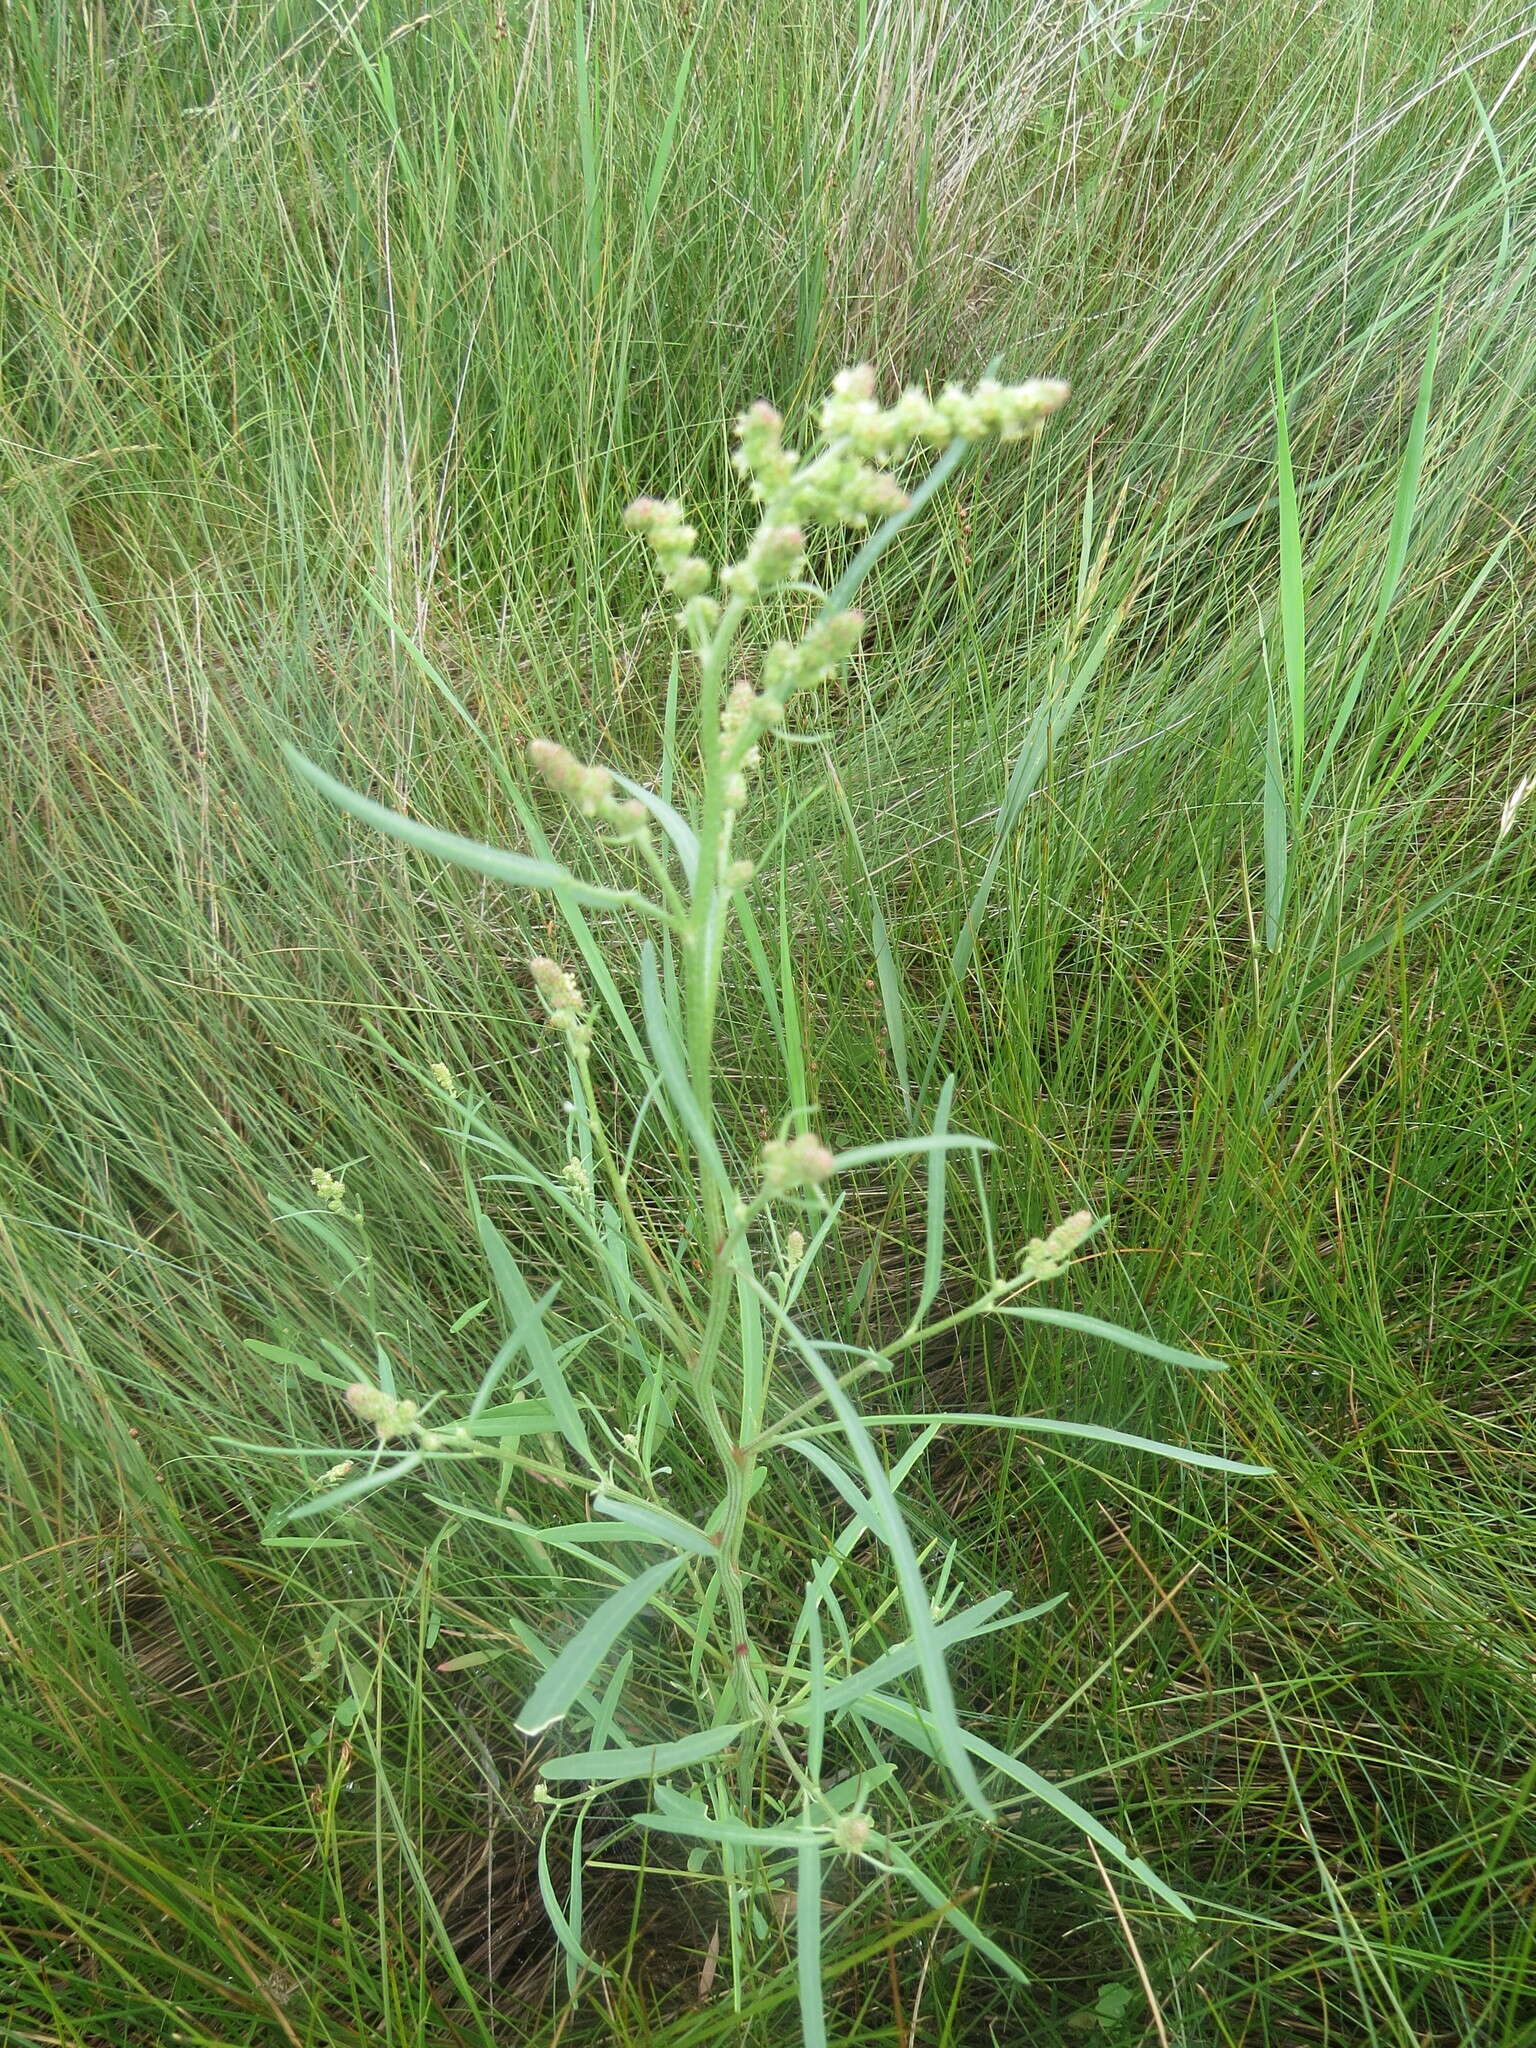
x: 563, y: 1001
x: 1045, y: 1258
x: 844, y: 482
x: 590, y: 791
x: 992, y: 411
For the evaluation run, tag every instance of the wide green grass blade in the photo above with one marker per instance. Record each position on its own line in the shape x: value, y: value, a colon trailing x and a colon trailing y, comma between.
x: 1409, y: 476
x: 1293, y: 594
x: 1277, y: 833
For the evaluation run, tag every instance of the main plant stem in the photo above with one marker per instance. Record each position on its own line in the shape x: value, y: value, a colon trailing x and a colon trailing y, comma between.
x: 723, y: 1241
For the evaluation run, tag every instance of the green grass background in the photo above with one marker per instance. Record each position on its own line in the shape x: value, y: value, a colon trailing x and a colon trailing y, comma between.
x: 319, y: 317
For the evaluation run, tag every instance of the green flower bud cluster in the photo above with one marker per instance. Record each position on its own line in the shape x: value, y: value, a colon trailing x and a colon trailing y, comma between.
x: 1047, y: 1257
x: 842, y: 483
x: 853, y: 416
x: 390, y: 1418
x: 776, y: 555
x: 589, y: 790
x: 828, y: 645
x: 835, y: 488
x: 786, y: 667
x: 333, y: 1192
x: 563, y: 1000
x: 761, y: 456
x: 671, y: 538
x: 790, y: 1163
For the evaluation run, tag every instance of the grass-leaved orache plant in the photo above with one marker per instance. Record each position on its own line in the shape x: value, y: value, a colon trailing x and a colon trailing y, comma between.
x: 773, y: 1780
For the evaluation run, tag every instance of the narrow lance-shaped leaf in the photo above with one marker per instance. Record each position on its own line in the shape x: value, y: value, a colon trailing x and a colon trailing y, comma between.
x: 521, y: 870
x: 668, y: 1055
x: 1113, y: 1333
x: 898, y: 1859
x: 813, y: 2016
x: 1091, y: 1432
x: 618, y: 1766
x: 676, y: 827
x: 1277, y: 833
x: 521, y: 1313
x: 905, y: 1720
x: 907, y: 1148
x: 891, y: 1528
x: 349, y: 1490
x: 552, y: 1698
x: 659, y: 1525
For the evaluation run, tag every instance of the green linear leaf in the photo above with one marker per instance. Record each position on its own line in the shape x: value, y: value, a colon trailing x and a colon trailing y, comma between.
x: 905, y: 1720
x: 525, y: 1316
x: 672, y: 822
x: 734, y: 1834
x: 905, y: 1148
x: 935, y: 1894
x: 1114, y: 1333
x: 552, y: 1698
x: 524, y: 1332
x: 1047, y: 1425
x: 350, y: 1490
x: 813, y: 2017
x: 521, y: 870
x: 617, y: 1766
x: 667, y: 1053
x: 656, y: 1524
x: 1293, y: 600
x: 891, y: 1528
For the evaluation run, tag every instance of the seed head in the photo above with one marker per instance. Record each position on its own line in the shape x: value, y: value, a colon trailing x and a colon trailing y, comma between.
x: 790, y: 1163
x: 390, y: 1418
x: 588, y: 789
x: 850, y: 1832
x: 1047, y: 1257
x: 561, y: 996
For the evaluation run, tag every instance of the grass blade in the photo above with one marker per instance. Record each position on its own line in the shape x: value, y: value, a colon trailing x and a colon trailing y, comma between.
x: 1404, y: 507
x: 655, y: 1523
x: 1293, y: 599
x: 933, y: 1234
x: 1277, y: 833
x: 898, y: 1859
